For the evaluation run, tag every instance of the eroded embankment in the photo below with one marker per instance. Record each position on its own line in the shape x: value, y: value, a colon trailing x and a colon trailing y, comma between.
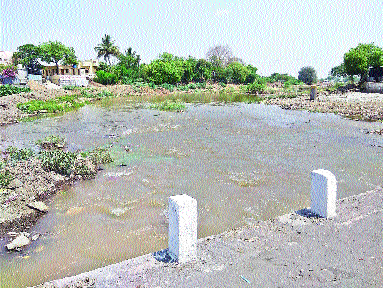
x: 28, y: 178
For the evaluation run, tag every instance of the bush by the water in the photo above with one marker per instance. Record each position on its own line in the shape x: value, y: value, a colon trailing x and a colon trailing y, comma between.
x: 16, y: 154
x: 106, y: 78
x: 51, y: 142
x: 5, y: 178
x: 10, y: 89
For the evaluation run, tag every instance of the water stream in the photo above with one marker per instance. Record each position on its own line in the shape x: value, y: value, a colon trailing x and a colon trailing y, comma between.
x: 242, y: 163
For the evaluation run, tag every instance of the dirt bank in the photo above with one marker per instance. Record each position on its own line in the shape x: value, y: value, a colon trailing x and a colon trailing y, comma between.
x: 31, y: 183
x: 32, y: 178
x: 294, y: 250
x: 355, y: 105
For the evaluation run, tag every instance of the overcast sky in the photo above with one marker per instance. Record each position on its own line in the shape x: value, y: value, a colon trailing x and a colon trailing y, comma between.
x: 274, y: 36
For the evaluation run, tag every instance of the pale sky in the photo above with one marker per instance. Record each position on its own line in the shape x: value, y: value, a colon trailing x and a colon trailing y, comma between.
x: 274, y: 36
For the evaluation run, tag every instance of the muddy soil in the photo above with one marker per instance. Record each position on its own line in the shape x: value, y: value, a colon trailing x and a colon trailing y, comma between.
x: 31, y: 183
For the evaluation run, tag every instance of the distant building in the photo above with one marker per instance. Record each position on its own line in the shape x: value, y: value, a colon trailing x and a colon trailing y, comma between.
x: 5, y: 57
x: 86, y: 68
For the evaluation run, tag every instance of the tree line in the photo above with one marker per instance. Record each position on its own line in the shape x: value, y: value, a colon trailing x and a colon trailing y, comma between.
x: 219, y: 65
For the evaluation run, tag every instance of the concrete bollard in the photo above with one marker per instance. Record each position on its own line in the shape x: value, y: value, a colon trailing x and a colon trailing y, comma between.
x: 183, y: 228
x: 323, y: 193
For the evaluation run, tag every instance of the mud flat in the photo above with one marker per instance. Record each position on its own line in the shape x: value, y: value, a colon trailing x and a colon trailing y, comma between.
x: 293, y: 250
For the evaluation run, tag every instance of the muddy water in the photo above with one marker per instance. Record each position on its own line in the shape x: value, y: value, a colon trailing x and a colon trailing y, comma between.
x: 241, y: 162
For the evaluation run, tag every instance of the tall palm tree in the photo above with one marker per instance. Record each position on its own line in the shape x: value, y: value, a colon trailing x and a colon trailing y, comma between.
x: 106, y: 48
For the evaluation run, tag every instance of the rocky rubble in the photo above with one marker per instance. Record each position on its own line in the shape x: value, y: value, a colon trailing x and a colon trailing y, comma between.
x: 363, y: 108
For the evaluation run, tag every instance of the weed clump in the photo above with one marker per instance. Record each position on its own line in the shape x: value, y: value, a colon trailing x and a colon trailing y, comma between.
x: 51, y: 142
x: 168, y: 105
x: 5, y: 178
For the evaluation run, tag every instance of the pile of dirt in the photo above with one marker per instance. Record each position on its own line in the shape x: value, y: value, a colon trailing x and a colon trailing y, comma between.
x: 355, y: 105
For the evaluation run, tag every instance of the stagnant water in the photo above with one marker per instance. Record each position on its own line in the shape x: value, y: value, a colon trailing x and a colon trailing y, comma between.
x: 242, y: 162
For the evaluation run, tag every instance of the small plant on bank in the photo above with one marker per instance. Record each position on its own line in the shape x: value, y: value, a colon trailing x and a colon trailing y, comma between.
x: 51, y: 142
x: 98, y: 156
x: 9, y: 90
x: 168, y: 105
x: 167, y: 86
x: 104, y: 94
x: 59, y: 104
x: 256, y: 88
x: 58, y: 161
x: 70, y: 87
x: 5, y: 178
x: 15, y: 154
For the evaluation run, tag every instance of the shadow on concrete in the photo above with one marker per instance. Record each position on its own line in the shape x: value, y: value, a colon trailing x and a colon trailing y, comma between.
x: 164, y: 256
x: 305, y: 212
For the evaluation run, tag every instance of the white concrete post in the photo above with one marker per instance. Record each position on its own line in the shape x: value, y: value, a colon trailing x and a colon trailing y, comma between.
x: 323, y: 193
x: 183, y: 228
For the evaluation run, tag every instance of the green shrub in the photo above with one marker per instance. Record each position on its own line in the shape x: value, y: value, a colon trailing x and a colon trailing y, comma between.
x: 106, y: 78
x: 59, y: 161
x: 51, y: 142
x: 99, y: 156
x: 9, y: 89
x: 5, y: 178
x: 104, y: 94
x: 192, y: 86
x: 183, y: 87
x: 59, y: 104
x: 256, y: 88
x: 167, y: 86
x: 70, y: 87
x: 15, y: 154
x: 169, y: 105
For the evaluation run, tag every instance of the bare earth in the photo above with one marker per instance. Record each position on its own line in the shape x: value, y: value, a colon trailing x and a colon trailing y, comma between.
x: 294, y: 250
x: 356, y: 105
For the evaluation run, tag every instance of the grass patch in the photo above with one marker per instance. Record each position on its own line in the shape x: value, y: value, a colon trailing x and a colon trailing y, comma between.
x: 9, y: 90
x: 169, y: 105
x: 59, y: 104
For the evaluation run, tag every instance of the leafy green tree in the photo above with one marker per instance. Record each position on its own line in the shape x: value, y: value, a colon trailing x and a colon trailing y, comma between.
x: 167, y: 69
x: 338, y: 71
x: 55, y: 51
x: 128, y: 65
x: 28, y: 55
x: 307, y: 75
x: 107, y: 48
x: 250, y: 78
x: 236, y: 73
x: 358, y: 60
x: 202, y: 71
x: 189, y: 70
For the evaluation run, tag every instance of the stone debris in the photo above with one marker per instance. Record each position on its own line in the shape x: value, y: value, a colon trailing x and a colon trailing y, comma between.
x: 15, y: 183
x: 38, y: 205
x: 20, y: 241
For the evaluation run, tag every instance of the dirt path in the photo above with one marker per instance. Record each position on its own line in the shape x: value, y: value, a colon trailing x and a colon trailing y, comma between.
x: 294, y: 250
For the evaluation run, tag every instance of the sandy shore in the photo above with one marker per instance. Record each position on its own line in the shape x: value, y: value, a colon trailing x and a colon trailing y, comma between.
x: 293, y: 250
